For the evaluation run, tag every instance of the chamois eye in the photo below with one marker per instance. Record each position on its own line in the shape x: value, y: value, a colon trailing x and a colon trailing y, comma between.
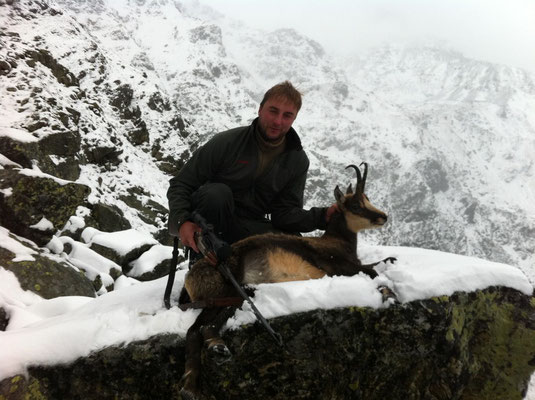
x: 355, y: 207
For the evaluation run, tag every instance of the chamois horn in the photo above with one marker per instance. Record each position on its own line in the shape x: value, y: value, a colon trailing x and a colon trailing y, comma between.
x: 361, y: 178
x: 364, y: 174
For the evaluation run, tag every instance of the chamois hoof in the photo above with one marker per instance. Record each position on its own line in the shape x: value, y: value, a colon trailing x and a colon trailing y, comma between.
x: 219, y: 353
x: 185, y: 394
x: 388, y: 294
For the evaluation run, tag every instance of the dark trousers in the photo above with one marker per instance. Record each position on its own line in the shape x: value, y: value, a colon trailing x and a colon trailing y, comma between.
x: 215, y: 202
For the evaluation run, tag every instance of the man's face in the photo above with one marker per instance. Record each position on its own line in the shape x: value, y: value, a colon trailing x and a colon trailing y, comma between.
x: 276, y: 117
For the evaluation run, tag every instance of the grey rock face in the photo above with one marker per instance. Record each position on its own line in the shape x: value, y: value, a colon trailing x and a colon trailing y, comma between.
x: 477, y: 345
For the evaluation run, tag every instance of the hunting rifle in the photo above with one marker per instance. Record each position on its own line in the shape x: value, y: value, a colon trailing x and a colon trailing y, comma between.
x: 217, y: 252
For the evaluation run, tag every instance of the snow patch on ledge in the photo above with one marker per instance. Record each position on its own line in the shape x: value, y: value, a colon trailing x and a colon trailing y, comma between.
x: 37, y: 173
x: 22, y: 253
x: 122, y: 242
x: 19, y: 135
x: 43, y: 225
x: 421, y: 274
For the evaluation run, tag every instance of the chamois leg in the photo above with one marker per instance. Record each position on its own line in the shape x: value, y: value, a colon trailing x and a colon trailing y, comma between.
x: 207, y: 326
x: 387, y: 259
x: 215, y: 346
x: 184, y: 296
x: 388, y: 294
x: 193, y: 360
x: 369, y: 270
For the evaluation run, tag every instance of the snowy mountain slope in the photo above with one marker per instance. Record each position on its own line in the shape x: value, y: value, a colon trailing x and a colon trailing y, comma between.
x: 449, y: 140
x: 101, y: 109
x: 129, y: 88
x: 475, y: 119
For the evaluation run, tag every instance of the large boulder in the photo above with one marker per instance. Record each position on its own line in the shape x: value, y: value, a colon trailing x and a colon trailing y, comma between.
x: 149, y: 211
x: 61, y: 73
x: 154, y: 263
x: 478, y: 345
x: 56, y: 154
x: 122, y: 100
x: 122, y: 247
x: 160, y: 366
x: 109, y: 218
x: 35, y: 206
x: 47, y: 275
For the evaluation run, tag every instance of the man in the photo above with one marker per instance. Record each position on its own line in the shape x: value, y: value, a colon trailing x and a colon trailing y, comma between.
x: 241, y: 176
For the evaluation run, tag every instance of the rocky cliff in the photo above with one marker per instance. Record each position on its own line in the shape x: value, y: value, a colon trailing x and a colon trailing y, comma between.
x: 477, y: 345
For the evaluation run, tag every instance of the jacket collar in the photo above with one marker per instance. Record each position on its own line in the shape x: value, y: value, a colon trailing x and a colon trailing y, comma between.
x: 293, y: 142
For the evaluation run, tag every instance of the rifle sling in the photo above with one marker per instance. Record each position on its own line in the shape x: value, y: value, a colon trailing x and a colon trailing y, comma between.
x: 171, y: 278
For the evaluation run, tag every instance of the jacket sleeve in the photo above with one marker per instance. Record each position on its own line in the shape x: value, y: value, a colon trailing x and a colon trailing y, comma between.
x: 288, y: 214
x: 197, y: 171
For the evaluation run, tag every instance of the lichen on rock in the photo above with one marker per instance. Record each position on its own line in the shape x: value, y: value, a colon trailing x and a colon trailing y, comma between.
x: 47, y: 276
x: 33, y: 198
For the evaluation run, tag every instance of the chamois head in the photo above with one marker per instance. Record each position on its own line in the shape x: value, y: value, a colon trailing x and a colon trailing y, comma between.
x: 359, y: 212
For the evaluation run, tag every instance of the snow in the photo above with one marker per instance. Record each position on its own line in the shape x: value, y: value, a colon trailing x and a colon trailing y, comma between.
x: 75, y: 222
x: 36, y: 172
x: 81, y: 256
x: 43, y: 225
x: 60, y: 330
x: 122, y: 242
x: 429, y: 272
x: 148, y: 260
x: 22, y: 252
x: 19, y: 135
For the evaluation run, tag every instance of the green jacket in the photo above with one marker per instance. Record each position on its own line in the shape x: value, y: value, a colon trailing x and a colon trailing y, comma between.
x: 231, y: 157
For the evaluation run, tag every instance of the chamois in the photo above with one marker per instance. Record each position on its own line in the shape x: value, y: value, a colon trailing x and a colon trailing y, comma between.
x: 271, y: 258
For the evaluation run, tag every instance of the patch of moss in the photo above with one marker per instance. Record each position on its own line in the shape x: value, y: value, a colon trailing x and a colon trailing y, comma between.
x: 33, y: 198
x: 19, y: 388
x: 35, y: 391
x: 46, y: 276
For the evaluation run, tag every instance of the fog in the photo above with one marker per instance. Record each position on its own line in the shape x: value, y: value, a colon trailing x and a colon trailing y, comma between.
x: 499, y: 31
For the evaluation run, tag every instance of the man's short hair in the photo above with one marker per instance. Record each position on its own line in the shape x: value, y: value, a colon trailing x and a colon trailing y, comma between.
x: 285, y: 90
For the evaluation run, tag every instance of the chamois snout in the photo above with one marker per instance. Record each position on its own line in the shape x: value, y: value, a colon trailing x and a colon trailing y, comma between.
x: 380, y: 220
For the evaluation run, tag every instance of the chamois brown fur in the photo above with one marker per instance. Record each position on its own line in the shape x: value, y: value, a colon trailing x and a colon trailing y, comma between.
x: 270, y: 258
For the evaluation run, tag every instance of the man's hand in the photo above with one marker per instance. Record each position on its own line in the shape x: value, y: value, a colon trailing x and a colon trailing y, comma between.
x: 186, y: 234
x: 330, y: 211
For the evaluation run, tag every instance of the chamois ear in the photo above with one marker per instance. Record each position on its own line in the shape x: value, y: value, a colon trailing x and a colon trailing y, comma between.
x: 349, y: 189
x: 338, y: 195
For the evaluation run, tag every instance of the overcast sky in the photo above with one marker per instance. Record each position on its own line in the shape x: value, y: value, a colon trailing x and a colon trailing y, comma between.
x: 501, y: 31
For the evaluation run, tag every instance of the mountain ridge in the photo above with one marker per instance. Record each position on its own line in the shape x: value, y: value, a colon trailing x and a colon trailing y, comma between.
x: 153, y: 80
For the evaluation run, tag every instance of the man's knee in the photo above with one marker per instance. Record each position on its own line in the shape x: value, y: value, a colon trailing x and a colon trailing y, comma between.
x: 213, y: 195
